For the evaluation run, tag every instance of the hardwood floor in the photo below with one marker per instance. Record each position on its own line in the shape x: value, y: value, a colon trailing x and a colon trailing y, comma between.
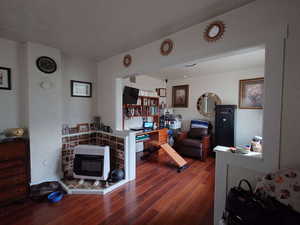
x: 159, y: 195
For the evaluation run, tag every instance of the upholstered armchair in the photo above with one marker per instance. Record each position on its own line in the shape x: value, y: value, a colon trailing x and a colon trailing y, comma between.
x: 195, y: 143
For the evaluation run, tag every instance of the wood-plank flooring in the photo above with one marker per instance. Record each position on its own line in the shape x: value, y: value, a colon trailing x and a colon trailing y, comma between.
x: 159, y: 196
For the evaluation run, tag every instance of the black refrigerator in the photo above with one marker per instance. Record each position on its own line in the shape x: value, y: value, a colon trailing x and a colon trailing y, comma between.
x: 225, y: 125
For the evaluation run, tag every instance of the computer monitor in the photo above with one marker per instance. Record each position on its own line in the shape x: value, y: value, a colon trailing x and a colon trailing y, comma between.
x: 148, y: 125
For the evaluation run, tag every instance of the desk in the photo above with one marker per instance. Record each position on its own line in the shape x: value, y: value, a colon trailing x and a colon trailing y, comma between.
x: 159, y: 138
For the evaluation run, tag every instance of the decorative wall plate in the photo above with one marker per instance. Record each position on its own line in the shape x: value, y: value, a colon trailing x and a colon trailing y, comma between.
x: 214, y: 31
x: 166, y: 47
x: 127, y: 60
x: 46, y: 64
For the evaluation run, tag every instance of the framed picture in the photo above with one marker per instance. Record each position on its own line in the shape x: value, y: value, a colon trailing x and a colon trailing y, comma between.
x: 162, y: 92
x: 180, y: 96
x: 251, y: 93
x: 81, y: 89
x: 83, y: 127
x: 5, y: 80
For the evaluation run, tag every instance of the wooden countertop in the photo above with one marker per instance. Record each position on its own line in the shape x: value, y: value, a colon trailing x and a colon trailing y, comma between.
x: 150, y: 132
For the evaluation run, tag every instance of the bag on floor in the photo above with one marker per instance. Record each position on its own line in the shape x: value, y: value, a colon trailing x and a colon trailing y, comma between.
x: 245, y: 208
x: 39, y: 192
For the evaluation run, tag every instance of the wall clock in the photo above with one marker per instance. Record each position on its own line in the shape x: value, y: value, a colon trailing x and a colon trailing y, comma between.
x: 127, y: 60
x: 46, y: 64
x: 166, y: 47
x: 214, y: 31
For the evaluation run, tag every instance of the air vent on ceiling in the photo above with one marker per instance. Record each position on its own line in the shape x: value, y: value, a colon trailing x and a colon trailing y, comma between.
x: 190, y: 65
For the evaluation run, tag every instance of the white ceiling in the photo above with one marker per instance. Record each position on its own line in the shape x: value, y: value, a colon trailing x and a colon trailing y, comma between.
x: 232, y: 62
x: 103, y: 28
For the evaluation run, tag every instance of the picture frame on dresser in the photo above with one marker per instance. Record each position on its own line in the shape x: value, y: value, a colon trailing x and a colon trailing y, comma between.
x: 83, y: 127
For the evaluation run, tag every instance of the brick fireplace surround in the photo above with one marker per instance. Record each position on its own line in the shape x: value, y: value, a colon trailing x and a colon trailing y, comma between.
x: 117, y: 146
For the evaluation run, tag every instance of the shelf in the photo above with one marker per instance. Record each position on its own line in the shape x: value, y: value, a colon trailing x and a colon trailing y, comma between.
x: 147, y: 107
x: 136, y: 106
x: 144, y: 116
x: 149, y: 97
x: 128, y: 106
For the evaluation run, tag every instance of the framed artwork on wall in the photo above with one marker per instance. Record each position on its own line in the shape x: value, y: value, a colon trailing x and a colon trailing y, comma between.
x: 5, y: 79
x: 162, y: 92
x: 180, y: 96
x: 81, y: 89
x: 251, y: 93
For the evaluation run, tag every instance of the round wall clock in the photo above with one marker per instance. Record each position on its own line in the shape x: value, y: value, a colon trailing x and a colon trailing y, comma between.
x: 214, y: 31
x: 46, y: 64
x: 166, y: 47
x: 127, y: 60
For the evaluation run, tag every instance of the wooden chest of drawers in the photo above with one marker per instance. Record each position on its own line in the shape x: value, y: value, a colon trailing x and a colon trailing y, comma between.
x: 14, y: 170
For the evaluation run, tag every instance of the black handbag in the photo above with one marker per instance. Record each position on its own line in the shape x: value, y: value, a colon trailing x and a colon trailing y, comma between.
x: 243, y: 207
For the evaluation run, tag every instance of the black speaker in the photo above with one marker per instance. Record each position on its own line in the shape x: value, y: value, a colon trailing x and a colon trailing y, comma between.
x: 224, y: 125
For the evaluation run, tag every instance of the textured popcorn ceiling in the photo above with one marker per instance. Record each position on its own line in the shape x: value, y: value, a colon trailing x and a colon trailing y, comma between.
x: 103, y: 28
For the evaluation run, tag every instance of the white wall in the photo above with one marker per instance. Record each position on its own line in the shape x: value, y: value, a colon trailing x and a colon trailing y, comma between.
x: 290, y: 155
x: 226, y: 86
x: 49, y: 109
x: 9, y: 99
x: 78, y: 110
x: 45, y: 115
x: 43, y: 111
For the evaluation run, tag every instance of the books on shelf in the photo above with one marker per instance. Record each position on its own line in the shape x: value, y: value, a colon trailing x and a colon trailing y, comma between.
x: 146, y: 106
x: 150, y: 102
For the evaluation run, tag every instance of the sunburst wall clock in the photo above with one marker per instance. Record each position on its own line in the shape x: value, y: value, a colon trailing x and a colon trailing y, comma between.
x: 214, y: 31
x: 127, y: 60
x: 166, y: 47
